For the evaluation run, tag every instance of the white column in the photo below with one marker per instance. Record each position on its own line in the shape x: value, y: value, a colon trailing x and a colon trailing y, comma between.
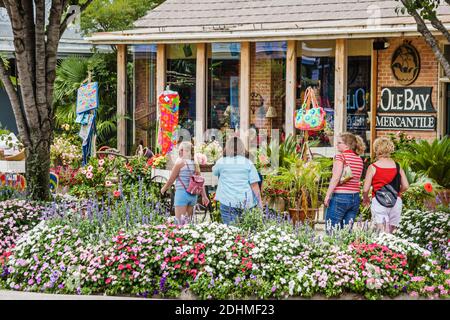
x: 291, y: 85
x: 200, y: 95
x: 121, y: 98
x: 244, y: 88
x: 340, y: 88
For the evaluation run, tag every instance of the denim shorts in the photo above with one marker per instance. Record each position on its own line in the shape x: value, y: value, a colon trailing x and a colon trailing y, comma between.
x: 182, y: 198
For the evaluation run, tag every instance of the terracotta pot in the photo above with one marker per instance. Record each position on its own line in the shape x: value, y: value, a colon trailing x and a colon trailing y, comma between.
x: 298, y: 215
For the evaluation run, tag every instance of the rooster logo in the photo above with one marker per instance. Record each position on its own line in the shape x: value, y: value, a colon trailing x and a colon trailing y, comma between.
x: 406, y: 64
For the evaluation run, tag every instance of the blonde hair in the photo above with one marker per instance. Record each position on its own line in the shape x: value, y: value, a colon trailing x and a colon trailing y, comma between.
x: 354, y: 142
x: 186, y: 146
x: 234, y: 147
x: 383, y: 146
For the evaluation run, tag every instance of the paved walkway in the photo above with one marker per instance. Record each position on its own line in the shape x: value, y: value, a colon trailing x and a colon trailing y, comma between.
x: 18, y: 295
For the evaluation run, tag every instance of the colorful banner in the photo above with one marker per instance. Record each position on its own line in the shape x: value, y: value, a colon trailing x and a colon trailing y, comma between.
x: 87, y: 103
x: 169, y: 102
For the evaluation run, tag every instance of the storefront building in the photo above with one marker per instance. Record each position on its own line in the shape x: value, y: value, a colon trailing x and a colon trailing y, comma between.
x: 245, y: 66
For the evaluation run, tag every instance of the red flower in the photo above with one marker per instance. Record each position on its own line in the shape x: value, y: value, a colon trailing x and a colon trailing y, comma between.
x: 121, y: 267
x: 128, y: 266
x: 177, y: 266
x: 116, y: 194
x: 108, y: 280
x: 428, y: 187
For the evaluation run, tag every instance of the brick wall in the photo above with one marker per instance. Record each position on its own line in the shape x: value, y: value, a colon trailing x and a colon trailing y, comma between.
x: 267, y: 79
x: 428, y: 77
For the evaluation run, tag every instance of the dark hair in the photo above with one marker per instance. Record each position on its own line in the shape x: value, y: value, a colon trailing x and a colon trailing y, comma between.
x: 234, y: 147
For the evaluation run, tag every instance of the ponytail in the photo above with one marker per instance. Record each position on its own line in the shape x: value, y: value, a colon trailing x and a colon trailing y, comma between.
x: 360, y: 145
x: 354, y: 142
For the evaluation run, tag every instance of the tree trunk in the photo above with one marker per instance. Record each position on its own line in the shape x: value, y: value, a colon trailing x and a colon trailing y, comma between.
x: 38, y: 165
x: 36, y: 47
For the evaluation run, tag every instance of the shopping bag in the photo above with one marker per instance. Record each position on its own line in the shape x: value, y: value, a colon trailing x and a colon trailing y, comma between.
x: 307, y: 118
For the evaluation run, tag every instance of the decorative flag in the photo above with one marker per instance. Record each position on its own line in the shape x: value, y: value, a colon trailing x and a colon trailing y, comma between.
x: 169, y: 102
x: 87, y: 103
x: 87, y: 97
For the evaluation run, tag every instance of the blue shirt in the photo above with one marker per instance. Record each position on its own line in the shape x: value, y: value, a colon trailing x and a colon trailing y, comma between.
x: 236, y: 174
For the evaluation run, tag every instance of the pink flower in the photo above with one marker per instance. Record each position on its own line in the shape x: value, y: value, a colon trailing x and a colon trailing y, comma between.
x: 89, y: 175
x: 90, y: 168
x: 429, y: 288
x: 414, y: 294
x: 108, y: 183
x: 101, y: 162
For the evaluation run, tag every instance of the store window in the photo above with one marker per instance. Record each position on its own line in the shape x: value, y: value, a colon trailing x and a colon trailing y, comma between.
x: 268, y: 86
x: 358, y: 88
x: 315, y: 68
x: 144, y: 94
x: 181, y: 77
x: 223, y: 86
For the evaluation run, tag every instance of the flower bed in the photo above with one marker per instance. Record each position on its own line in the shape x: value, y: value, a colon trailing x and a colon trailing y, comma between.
x: 217, y: 261
x: 429, y: 229
x: 16, y: 218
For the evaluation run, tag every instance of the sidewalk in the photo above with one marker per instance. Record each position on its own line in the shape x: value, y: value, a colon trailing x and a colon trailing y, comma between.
x: 18, y: 295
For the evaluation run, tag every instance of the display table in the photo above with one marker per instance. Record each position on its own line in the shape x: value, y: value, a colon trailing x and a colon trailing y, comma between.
x: 210, y: 179
x: 12, y: 166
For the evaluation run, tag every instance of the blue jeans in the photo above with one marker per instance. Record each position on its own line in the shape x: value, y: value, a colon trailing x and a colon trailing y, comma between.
x: 342, y: 209
x: 229, y: 214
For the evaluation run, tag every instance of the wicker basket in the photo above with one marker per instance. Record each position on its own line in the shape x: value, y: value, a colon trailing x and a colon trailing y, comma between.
x: 17, y: 157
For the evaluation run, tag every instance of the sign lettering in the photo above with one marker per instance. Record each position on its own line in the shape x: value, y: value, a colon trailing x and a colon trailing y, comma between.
x: 406, y: 122
x: 406, y: 99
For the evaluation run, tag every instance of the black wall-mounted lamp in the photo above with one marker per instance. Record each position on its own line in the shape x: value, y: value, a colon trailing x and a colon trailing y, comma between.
x: 380, y: 44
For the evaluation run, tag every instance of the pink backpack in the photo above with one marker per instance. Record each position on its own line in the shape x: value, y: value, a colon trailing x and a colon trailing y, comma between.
x: 196, y: 183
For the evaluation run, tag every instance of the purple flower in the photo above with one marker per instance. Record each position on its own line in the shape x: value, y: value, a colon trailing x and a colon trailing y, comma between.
x: 274, y: 288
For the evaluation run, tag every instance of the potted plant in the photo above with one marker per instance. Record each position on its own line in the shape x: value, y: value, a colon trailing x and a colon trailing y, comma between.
x: 212, y: 151
x: 301, y: 179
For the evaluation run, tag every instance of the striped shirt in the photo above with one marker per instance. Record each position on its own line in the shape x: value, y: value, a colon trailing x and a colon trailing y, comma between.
x: 356, y: 164
x: 185, y: 175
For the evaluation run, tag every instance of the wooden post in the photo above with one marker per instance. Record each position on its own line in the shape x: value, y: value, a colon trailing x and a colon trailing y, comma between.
x: 373, y: 99
x: 160, y: 81
x: 291, y: 86
x: 121, y: 98
x: 244, y: 88
x: 340, y: 88
x: 200, y: 93
x: 160, y: 69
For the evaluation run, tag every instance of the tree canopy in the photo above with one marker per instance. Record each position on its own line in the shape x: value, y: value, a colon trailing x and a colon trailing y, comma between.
x: 115, y: 15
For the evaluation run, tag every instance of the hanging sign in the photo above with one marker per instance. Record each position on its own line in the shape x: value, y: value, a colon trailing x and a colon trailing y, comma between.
x: 405, y: 64
x: 406, y: 100
x: 409, y: 122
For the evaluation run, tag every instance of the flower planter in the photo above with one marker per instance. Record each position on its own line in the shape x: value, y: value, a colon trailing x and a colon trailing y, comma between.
x: 298, y: 215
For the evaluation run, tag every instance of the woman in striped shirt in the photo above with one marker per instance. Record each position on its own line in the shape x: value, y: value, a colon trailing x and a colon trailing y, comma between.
x: 342, y: 200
